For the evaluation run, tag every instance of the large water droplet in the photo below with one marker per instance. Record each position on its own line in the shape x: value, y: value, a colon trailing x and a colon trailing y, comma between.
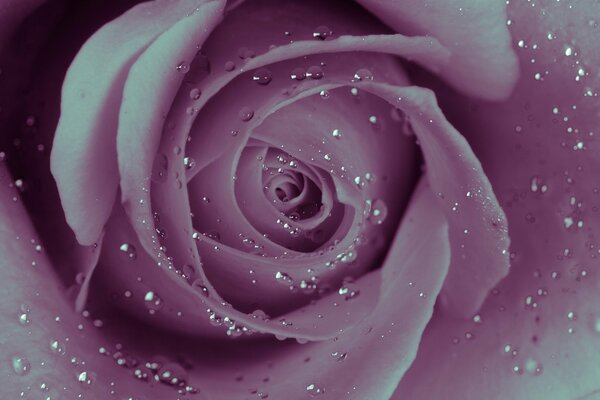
x: 362, y: 74
x: 298, y: 74
x: 189, y: 162
x: 195, y: 94
x: 57, y: 347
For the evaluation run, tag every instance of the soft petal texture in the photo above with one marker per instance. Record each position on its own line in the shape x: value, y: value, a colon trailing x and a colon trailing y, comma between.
x: 475, y: 218
x: 482, y: 62
x: 84, y: 157
x: 35, y: 311
x: 151, y: 85
x: 543, y: 320
x: 364, y: 362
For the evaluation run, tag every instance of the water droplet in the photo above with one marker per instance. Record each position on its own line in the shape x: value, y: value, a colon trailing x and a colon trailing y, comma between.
x: 283, y: 278
x: 246, y: 114
x: 533, y: 367
x: 362, y: 74
x: 349, y: 291
x: 57, y: 347
x: 183, y: 67
x: 152, y: 301
x: 336, y: 133
x: 199, y: 286
x: 262, y: 76
x: 298, y: 74
x: 314, y: 72
x: 322, y: 32
x: 21, y: 365
x: 128, y: 250
x: 172, y: 374
x: 229, y: 66
x: 86, y: 378
x: 195, y: 94
x: 324, y: 94
x: 339, y: 355
x: 313, y: 390
x: 189, y: 163
x: 378, y: 212
x: 160, y: 168
x: 245, y: 52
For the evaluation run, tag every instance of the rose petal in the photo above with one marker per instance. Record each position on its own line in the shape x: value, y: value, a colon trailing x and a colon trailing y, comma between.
x: 538, y: 333
x: 35, y: 312
x: 12, y: 12
x: 476, y: 220
x: 158, y: 71
x: 482, y: 61
x: 86, y: 134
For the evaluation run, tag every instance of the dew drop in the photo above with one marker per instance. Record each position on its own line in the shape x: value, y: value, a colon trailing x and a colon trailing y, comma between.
x: 86, y: 378
x: 313, y: 390
x: 159, y: 168
x: 378, y: 212
x: 57, y: 347
x: 336, y: 133
x: 229, y: 66
x: 362, y: 74
x: 349, y: 291
x: 262, y: 76
x: 298, y: 74
x: 195, y: 94
x: 128, y: 250
x: 152, y: 301
x: 21, y: 365
x: 283, y: 278
x: 246, y: 114
x: 199, y: 286
x: 189, y: 163
x: 183, y: 67
x: 322, y: 32
x: 314, y: 72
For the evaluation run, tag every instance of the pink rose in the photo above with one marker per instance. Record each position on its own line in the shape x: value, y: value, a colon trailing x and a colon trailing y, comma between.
x: 224, y: 200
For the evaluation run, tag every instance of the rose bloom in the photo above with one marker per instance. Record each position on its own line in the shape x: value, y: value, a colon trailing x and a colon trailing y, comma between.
x: 299, y: 199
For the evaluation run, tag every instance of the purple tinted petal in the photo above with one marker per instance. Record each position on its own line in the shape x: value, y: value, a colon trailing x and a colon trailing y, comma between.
x: 474, y: 216
x: 86, y: 134
x: 151, y: 84
x: 482, y: 62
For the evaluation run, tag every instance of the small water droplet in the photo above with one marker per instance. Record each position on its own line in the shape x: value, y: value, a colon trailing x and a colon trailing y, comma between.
x: 362, y: 74
x: 86, y: 378
x: 229, y: 66
x: 246, y: 114
x: 283, y: 278
x: 314, y: 72
x: 336, y: 133
x: 152, y: 301
x: 183, y: 67
x: 21, y: 365
x: 200, y: 287
x: 189, y: 163
x: 322, y: 32
x: 262, y: 76
x: 298, y: 74
x: 313, y: 390
x: 378, y: 212
x: 349, y: 291
x: 195, y: 94
x: 57, y: 347
x: 128, y: 250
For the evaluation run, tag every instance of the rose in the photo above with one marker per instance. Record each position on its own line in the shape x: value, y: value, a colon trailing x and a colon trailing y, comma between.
x: 367, y: 389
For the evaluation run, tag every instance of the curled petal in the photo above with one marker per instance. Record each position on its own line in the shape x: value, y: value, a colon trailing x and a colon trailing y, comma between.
x: 84, y: 157
x: 482, y: 62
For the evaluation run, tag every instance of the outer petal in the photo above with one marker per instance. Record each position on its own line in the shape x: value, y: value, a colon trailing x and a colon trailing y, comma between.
x: 34, y: 313
x: 478, y: 230
x: 539, y: 333
x: 12, y: 12
x: 482, y: 63
x: 85, y: 138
